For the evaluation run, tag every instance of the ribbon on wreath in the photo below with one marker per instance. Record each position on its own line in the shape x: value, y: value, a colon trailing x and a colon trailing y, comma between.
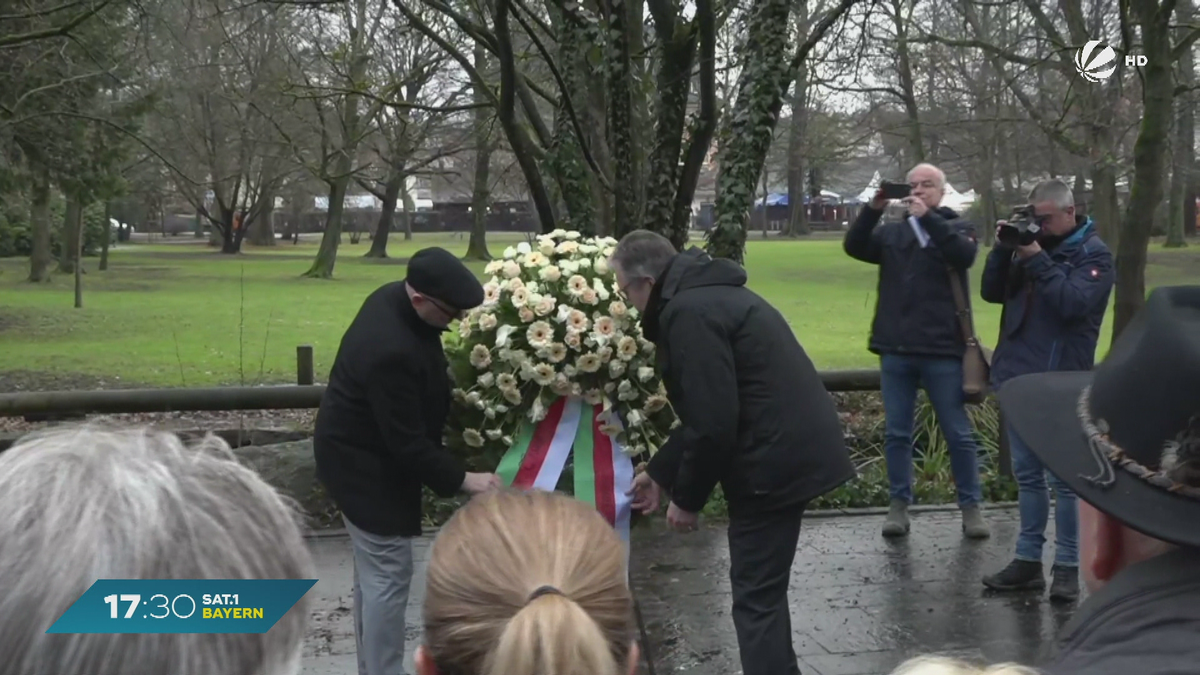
x: 603, y: 472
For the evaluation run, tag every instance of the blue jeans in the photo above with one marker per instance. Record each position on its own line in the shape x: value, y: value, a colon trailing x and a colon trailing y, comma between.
x: 942, y: 379
x: 1033, y: 500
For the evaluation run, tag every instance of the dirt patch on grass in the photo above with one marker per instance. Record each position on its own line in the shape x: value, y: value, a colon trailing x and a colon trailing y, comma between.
x: 9, y: 322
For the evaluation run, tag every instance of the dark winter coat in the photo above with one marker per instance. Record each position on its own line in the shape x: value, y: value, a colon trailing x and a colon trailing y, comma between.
x: 755, y: 416
x: 915, y: 312
x: 1143, y: 621
x: 1054, y: 303
x: 379, y: 428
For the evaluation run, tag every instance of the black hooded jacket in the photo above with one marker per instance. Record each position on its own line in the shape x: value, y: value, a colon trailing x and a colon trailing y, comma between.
x: 915, y: 312
x: 754, y: 414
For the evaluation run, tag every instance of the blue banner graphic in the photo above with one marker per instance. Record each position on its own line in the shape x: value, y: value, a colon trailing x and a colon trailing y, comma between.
x: 182, y: 606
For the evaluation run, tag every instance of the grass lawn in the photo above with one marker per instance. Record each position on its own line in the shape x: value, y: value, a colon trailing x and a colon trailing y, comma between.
x: 172, y: 314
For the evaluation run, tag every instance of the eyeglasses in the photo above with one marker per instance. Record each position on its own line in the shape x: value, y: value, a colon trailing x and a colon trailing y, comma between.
x: 449, y: 311
x: 623, y: 291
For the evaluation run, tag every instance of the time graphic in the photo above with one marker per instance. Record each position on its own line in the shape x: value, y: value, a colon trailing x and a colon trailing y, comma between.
x: 182, y: 605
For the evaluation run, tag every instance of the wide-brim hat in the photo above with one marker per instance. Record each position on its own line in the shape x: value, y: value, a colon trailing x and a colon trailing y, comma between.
x: 1126, y: 436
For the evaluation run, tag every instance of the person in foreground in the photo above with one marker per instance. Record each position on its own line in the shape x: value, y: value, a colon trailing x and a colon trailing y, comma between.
x: 378, y: 439
x: 1126, y: 439
x: 83, y: 503
x: 754, y: 416
x: 938, y: 665
x: 918, y: 336
x: 1055, y: 292
x: 527, y: 583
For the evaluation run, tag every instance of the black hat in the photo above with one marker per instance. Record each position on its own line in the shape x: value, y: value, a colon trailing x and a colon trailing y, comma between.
x: 1126, y: 436
x: 439, y: 274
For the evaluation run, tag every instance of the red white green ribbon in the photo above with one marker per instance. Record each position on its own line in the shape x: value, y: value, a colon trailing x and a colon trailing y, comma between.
x: 603, y: 473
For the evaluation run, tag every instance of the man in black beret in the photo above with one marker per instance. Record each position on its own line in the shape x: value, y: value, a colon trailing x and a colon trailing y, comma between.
x: 378, y: 439
x: 1126, y: 439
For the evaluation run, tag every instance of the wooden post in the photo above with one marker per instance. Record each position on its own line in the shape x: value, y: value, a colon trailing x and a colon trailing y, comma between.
x: 78, y: 253
x: 1004, y: 457
x: 304, y: 364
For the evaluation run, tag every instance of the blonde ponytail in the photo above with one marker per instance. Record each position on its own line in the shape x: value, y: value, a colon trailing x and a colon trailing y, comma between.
x: 527, y: 583
x: 551, y: 635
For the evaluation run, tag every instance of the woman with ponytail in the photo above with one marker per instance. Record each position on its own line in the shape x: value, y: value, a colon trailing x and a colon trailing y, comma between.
x: 527, y: 583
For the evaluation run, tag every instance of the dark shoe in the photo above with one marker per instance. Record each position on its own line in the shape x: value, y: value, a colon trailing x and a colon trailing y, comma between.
x: 1020, y: 575
x: 1064, y: 584
x: 973, y: 524
x: 896, y: 524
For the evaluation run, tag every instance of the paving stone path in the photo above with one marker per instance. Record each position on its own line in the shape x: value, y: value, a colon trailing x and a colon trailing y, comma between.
x: 860, y: 604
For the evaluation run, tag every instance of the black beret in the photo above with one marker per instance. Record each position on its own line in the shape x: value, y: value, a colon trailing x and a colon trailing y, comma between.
x: 439, y: 274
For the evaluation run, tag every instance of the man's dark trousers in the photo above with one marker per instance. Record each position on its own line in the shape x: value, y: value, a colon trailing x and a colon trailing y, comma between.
x: 762, y: 547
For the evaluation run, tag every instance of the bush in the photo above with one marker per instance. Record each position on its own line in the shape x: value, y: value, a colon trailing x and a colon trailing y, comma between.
x: 862, y: 418
x: 16, y: 235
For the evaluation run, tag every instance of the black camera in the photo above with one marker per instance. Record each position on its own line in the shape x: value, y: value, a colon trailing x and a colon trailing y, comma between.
x: 1022, y: 228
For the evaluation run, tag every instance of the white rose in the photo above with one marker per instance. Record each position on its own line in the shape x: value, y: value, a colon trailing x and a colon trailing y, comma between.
x: 473, y: 398
x: 493, y: 267
x: 511, y: 269
x: 567, y: 247
x: 550, y: 273
x: 486, y: 379
x: 523, y: 248
x: 635, y: 418
x: 546, y: 247
x: 557, y: 233
x: 493, y: 434
x: 585, y: 263
x: 569, y: 267
x: 488, y: 321
x: 526, y: 314
x: 472, y: 438
x: 645, y: 373
x: 510, y: 253
x: 572, y: 235
x: 588, y: 249
x: 616, y: 368
x: 600, y: 265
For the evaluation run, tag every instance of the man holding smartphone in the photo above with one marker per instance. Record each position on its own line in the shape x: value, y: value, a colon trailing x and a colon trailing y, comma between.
x: 917, y: 335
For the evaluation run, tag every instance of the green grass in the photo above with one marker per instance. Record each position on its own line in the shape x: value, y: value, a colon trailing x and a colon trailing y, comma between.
x: 181, y: 314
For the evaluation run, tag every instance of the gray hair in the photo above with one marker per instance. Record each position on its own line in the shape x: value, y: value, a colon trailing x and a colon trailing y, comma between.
x: 643, y: 254
x: 941, y: 175
x: 1053, y: 190
x: 79, y: 504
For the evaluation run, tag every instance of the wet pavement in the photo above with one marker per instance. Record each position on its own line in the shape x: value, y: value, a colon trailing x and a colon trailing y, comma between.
x: 860, y: 604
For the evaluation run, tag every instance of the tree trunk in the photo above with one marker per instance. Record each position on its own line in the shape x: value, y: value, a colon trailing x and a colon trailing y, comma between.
x: 1146, y: 190
x: 71, y: 234
x: 480, y: 194
x: 391, y: 193
x: 797, y: 208
x: 322, y: 267
x: 748, y: 133
x: 676, y: 56
x: 916, y: 148
x: 410, y: 209
x: 77, y: 254
x: 620, y: 119
x: 39, y: 222
x: 106, y: 236
x: 1183, y: 151
x: 262, y: 232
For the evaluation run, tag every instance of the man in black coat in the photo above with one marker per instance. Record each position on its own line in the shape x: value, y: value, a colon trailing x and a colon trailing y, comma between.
x: 918, y: 336
x: 378, y: 439
x: 754, y: 417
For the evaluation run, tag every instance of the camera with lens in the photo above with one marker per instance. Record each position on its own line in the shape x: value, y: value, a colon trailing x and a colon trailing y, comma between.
x: 1022, y: 228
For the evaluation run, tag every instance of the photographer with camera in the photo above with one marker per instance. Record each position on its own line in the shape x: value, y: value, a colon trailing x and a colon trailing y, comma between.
x: 917, y: 334
x: 1053, y: 275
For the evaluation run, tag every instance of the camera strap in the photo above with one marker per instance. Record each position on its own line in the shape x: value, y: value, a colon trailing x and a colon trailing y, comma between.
x: 966, y: 321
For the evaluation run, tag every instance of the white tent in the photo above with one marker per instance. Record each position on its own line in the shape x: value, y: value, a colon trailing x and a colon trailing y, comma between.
x: 957, y: 200
x: 869, y: 191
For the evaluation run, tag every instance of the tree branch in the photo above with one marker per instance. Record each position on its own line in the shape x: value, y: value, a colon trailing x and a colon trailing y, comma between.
x: 22, y: 38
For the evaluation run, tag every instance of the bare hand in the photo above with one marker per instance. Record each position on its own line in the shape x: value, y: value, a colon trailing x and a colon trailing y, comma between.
x: 680, y: 520
x: 1027, y: 252
x: 647, y: 495
x: 476, y: 483
x: 878, y: 202
x: 916, y: 207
